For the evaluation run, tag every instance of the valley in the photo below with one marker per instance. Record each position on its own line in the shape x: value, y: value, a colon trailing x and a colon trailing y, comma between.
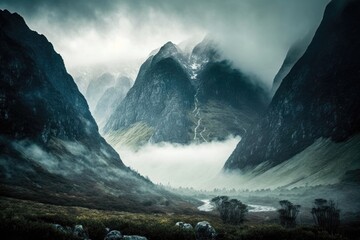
x: 180, y: 121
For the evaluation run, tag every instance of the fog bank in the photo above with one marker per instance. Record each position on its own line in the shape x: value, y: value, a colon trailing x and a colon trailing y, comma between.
x: 180, y: 165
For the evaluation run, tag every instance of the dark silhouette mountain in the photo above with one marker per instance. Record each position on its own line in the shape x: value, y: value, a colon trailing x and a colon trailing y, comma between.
x: 160, y: 98
x: 293, y: 55
x: 182, y: 99
x: 51, y: 150
x: 319, y: 98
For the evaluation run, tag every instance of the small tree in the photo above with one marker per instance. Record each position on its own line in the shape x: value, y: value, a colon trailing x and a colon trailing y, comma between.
x: 326, y: 215
x: 288, y: 213
x: 231, y: 211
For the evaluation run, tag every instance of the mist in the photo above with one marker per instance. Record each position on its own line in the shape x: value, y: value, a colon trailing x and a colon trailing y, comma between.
x: 254, y: 34
x: 179, y: 165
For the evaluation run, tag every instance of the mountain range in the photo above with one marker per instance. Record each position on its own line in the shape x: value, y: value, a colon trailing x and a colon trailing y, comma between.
x: 51, y: 150
x: 183, y: 98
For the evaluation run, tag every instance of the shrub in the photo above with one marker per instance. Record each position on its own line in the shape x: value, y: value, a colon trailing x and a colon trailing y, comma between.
x: 231, y: 211
x: 288, y: 213
x: 326, y: 215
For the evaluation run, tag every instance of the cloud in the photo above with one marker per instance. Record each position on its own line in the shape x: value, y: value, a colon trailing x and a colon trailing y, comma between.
x: 180, y: 165
x: 254, y: 34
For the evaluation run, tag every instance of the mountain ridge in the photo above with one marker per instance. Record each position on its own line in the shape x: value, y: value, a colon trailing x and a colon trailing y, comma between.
x: 299, y: 114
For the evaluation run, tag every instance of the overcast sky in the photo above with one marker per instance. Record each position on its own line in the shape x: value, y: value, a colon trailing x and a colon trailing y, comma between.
x: 254, y: 34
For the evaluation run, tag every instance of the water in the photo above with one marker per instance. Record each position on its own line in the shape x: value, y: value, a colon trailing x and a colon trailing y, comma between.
x: 208, y: 207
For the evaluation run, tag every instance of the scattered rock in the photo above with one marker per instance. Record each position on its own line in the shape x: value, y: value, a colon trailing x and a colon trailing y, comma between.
x: 204, y: 231
x: 133, y: 237
x: 113, y: 235
x: 80, y: 232
x: 182, y: 225
x: 58, y: 227
x: 62, y: 229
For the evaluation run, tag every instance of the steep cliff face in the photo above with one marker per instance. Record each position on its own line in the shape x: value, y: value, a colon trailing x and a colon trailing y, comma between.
x: 50, y: 146
x: 161, y: 98
x: 36, y: 88
x: 319, y: 98
x: 182, y: 99
x: 293, y: 55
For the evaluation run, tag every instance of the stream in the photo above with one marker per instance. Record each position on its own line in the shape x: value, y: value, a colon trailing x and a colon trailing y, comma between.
x: 208, y: 207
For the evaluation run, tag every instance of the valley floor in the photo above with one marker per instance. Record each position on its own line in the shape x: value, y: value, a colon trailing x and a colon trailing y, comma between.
x: 23, y: 219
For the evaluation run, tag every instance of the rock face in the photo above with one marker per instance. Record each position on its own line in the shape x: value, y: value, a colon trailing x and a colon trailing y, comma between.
x: 318, y: 98
x: 182, y: 99
x: 50, y: 145
x: 293, y: 55
x: 162, y: 94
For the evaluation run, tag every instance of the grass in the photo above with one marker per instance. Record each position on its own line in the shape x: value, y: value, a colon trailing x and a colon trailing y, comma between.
x: 22, y: 219
x: 134, y: 136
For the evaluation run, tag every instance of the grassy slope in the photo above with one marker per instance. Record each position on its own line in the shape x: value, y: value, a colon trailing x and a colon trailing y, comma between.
x: 22, y: 219
x: 137, y: 134
x: 324, y: 162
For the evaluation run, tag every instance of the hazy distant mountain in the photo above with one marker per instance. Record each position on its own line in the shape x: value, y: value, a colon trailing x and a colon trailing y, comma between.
x: 319, y: 99
x: 180, y: 99
x: 97, y: 87
x: 50, y: 146
x: 110, y: 99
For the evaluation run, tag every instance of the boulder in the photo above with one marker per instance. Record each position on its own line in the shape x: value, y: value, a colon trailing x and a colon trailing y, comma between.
x: 80, y: 232
x: 113, y: 235
x: 204, y: 231
x: 185, y: 226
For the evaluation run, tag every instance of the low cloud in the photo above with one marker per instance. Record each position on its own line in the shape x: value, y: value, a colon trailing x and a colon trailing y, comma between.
x: 180, y: 165
x: 254, y: 34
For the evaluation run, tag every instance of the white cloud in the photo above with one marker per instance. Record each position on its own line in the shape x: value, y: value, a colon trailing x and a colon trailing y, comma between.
x: 180, y: 165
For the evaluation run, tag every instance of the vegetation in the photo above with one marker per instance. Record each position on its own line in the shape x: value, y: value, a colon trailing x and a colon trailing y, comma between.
x: 21, y: 219
x: 288, y: 213
x: 326, y: 215
x: 232, y: 211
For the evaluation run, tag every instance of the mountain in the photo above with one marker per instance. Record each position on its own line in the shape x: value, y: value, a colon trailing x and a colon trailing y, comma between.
x: 317, y: 101
x: 110, y: 99
x: 97, y: 87
x: 293, y: 55
x: 180, y: 99
x: 51, y: 150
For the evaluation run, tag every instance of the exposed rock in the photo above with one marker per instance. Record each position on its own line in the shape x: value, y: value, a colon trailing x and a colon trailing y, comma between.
x: 204, y: 231
x: 182, y: 99
x: 48, y: 137
x: 185, y: 226
x: 292, y: 56
x: 114, y: 235
x: 319, y: 98
x: 80, y: 232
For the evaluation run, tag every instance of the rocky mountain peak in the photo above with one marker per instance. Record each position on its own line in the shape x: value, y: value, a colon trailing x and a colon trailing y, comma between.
x: 168, y: 50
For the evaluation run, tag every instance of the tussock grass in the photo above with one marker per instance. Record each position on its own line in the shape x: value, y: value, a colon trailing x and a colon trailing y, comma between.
x: 22, y: 219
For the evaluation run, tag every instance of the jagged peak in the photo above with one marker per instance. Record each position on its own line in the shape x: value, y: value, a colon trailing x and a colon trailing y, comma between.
x: 168, y: 50
x: 207, y: 48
